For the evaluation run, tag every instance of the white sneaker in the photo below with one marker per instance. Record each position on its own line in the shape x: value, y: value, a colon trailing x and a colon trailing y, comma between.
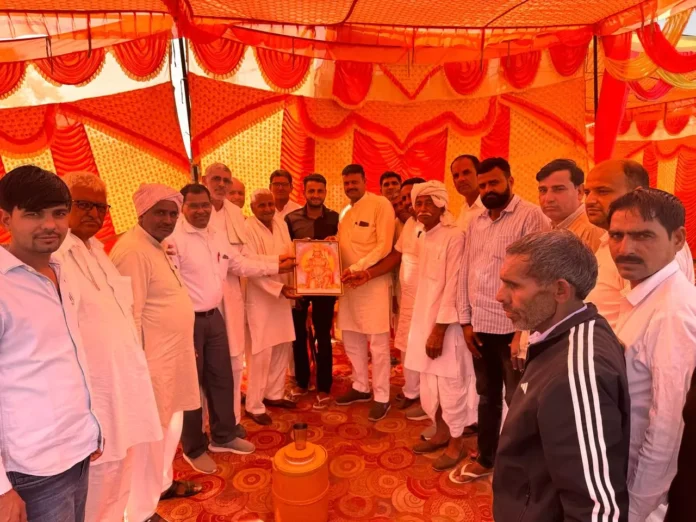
x: 238, y: 446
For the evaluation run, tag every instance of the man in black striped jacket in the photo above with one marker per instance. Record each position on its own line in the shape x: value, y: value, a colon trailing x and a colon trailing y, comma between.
x: 563, y: 452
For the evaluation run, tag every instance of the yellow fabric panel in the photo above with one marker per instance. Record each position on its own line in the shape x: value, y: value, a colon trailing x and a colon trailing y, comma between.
x: 666, y: 174
x: 330, y: 156
x: 123, y: 168
x: 251, y: 155
x: 43, y: 159
x: 456, y: 146
x: 531, y: 147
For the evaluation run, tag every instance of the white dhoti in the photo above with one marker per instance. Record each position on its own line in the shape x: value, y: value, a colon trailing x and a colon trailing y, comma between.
x: 355, y: 344
x: 109, y: 489
x: 153, y: 472
x: 449, y: 394
x: 266, y: 376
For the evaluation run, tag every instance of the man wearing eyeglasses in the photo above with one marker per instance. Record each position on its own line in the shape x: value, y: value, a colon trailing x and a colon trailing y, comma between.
x: 281, y: 188
x: 123, y: 396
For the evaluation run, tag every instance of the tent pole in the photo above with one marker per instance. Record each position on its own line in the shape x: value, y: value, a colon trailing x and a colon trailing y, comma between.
x: 596, y: 76
x: 187, y: 98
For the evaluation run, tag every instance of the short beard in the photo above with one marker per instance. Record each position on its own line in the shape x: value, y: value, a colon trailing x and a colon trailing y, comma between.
x: 542, y: 309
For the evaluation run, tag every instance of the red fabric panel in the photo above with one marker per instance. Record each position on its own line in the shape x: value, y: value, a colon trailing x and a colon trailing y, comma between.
x: 425, y: 158
x: 675, y: 124
x: 657, y: 91
x: 220, y: 57
x: 285, y: 71
x: 73, y: 68
x: 11, y: 74
x: 646, y: 127
x: 685, y: 190
x: 351, y: 83
x: 651, y: 164
x: 296, y: 153
x: 497, y: 142
x: 72, y: 152
x: 143, y: 57
x: 566, y: 59
x: 663, y: 53
x: 612, y: 98
x: 26, y: 130
x: 404, y: 90
x: 520, y: 69
x: 465, y: 77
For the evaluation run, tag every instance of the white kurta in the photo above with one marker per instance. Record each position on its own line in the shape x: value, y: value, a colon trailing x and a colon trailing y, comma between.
x: 164, y: 317
x: 657, y: 324
x: 408, y: 244
x: 610, y: 289
x: 467, y: 213
x: 122, y: 393
x: 269, y: 313
x: 365, y: 236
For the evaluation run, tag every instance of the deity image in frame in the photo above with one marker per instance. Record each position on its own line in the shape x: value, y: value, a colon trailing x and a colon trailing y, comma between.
x: 318, y: 270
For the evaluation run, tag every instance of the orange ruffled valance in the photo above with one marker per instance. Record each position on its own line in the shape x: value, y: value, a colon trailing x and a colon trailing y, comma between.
x: 140, y: 59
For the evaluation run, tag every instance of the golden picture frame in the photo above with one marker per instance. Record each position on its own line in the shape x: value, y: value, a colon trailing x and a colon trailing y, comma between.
x: 318, y: 270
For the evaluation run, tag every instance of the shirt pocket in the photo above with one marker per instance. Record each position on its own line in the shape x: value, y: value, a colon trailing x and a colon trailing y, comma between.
x: 499, y: 246
x: 438, y: 267
x: 363, y: 235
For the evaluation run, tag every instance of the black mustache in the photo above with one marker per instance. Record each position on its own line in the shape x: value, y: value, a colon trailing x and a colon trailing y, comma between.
x: 629, y: 259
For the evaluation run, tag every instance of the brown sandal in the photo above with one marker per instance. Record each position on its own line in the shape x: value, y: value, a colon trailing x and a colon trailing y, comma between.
x: 445, y: 462
x: 181, y: 489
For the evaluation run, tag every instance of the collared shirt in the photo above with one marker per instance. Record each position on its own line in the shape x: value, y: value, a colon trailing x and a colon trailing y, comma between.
x: 290, y: 206
x: 580, y: 225
x: 537, y: 337
x: 610, y: 289
x: 203, y: 258
x: 483, y: 258
x: 46, y: 421
x: 119, y: 377
x: 467, y: 213
x: 302, y: 226
x: 657, y: 325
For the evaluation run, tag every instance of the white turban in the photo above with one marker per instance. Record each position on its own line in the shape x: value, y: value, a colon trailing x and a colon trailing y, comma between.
x: 438, y: 192
x: 149, y: 194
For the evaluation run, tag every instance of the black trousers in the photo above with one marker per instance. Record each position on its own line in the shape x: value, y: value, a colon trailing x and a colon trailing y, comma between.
x: 215, y: 376
x: 492, y: 370
x: 322, y: 319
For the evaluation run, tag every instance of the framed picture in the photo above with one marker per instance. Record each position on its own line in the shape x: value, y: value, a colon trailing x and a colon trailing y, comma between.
x: 318, y: 270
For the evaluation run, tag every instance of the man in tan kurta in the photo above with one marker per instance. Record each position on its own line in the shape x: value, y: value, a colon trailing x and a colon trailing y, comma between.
x: 365, y: 236
x: 561, y: 194
x: 164, y: 317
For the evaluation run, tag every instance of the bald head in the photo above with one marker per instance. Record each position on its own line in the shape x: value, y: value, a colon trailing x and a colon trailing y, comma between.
x: 607, y: 182
x: 237, y: 193
x: 218, y: 180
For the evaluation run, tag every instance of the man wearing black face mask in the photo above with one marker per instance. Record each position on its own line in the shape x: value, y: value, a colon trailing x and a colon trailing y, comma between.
x: 489, y: 333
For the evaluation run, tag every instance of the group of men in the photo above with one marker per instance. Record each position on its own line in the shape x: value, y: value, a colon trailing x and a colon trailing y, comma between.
x: 579, y: 314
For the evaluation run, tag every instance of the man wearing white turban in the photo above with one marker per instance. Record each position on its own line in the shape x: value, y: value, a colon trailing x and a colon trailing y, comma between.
x: 436, y: 347
x: 164, y: 319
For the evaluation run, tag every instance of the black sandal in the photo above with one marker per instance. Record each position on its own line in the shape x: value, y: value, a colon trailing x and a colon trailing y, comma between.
x: 182, y: 489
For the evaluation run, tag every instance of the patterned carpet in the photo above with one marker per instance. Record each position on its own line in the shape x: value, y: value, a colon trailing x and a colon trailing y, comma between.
x: 373, y: 473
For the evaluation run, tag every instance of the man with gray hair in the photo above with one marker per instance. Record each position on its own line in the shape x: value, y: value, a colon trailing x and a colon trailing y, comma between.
x: 563, y: 451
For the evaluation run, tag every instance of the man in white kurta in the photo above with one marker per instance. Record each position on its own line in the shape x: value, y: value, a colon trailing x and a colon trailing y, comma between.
x: 164, y: 318
x: 463, y: 170
x: 436, y: 347
x: 605, y: 183
x: 227, y: 219
x: 122, y: 393
x: 365, y: 236
x: 657, y: 325
x: 269, y: 313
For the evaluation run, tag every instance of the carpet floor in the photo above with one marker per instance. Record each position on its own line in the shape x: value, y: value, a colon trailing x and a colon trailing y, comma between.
x: 374, y: 475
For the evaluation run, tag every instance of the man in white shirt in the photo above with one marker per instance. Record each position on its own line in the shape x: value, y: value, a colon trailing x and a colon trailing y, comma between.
x: 489, y: 334
x: 436, y: 347
x: 281, y: 188
x: 123, y: 395
x: 561, y: 192
x: 463, y: 169
x: 48, y: 430
x: 365, y: 236
x: 269, y: 313
x: 657, y: 325
x: 164, y: 319
x: 204, y: 257
x: 607, y: 182
x: 237, y: 194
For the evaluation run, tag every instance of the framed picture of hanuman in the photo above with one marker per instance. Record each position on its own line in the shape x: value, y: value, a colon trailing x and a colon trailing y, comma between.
x: 318, y: 270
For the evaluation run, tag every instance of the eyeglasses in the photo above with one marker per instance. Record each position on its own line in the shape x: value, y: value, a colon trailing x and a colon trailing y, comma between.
x: 87, y: 206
